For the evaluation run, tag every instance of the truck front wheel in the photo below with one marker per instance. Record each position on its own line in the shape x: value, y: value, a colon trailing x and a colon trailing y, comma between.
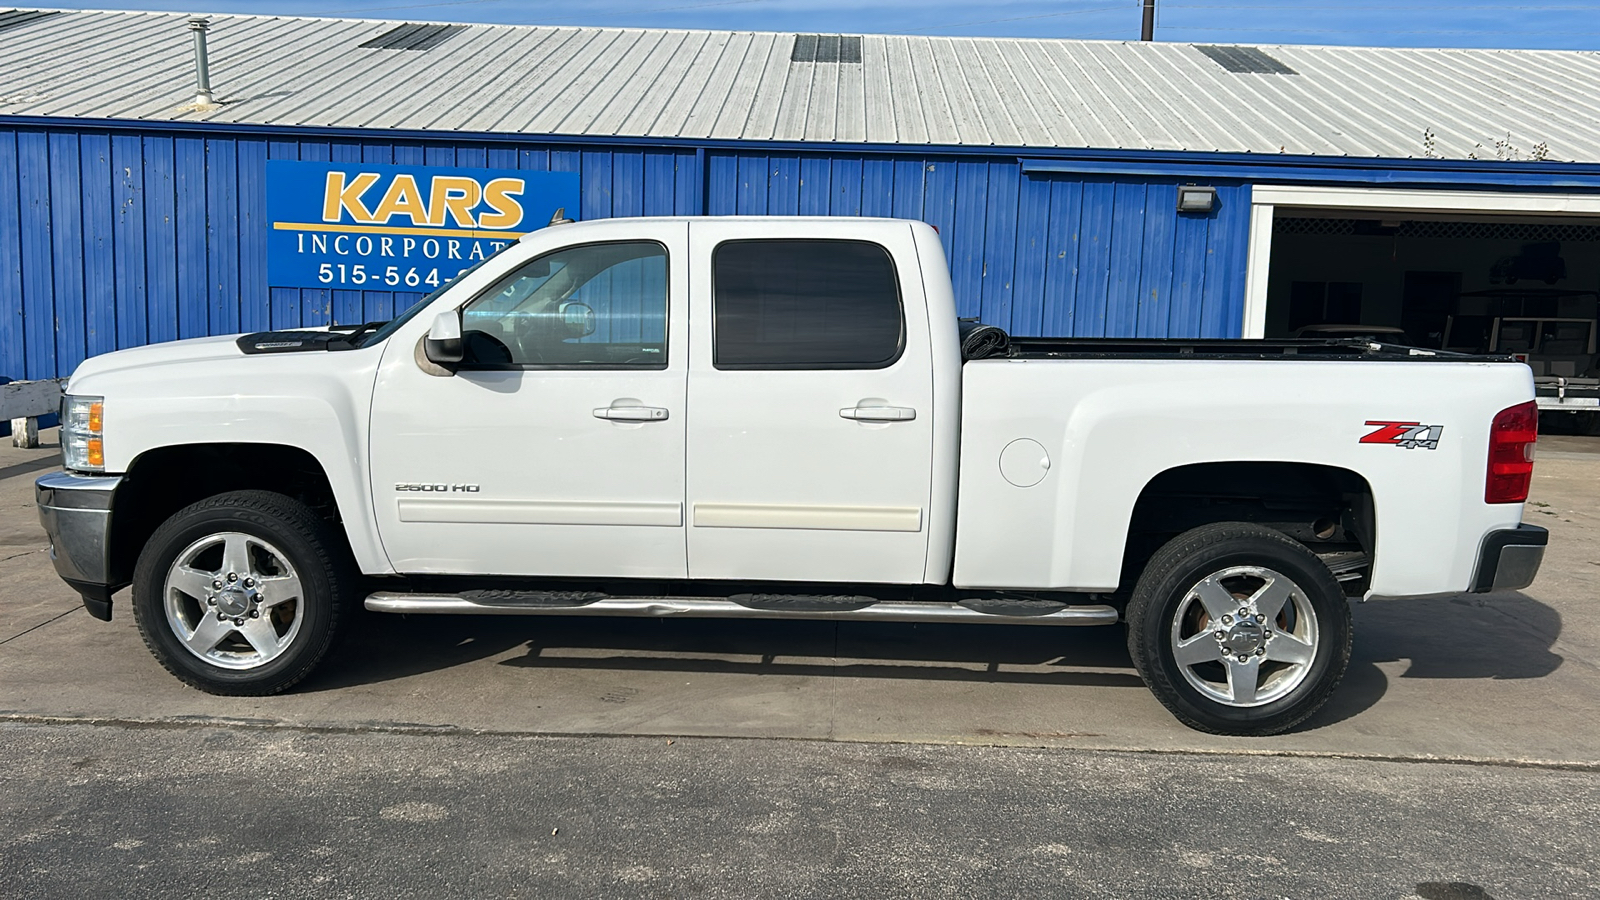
x: 1239, y: 629
x: 242, y: 593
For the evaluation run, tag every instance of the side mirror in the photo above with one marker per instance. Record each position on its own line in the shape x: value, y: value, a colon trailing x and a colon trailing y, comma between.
x: 442, y: 346
x: 577, y: 318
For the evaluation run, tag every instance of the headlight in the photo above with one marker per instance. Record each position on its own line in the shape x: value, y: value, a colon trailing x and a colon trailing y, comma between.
x: 83, y: 433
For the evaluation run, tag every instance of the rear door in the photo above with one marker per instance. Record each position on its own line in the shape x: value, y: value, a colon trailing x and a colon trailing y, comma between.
x: 811, y: 402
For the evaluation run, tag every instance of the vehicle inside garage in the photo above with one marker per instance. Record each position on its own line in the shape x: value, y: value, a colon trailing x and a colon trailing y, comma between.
x: 1519, y: 285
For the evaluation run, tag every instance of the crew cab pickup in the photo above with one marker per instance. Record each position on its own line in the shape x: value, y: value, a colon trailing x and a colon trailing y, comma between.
x: 784, y: 418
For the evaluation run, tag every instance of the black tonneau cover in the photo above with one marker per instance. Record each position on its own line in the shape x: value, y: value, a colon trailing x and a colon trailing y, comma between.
x: 1321, y: 349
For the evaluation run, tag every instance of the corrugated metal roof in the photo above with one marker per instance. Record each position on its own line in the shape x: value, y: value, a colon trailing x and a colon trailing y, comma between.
x: 604, y: 82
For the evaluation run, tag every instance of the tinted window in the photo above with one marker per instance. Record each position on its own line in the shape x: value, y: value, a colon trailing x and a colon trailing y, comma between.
x: 805, y: 305
x: 596, y: 305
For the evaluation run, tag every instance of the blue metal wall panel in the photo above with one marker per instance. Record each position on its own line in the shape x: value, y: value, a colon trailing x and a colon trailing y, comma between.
x: 118, y: 238
x: 1059, y: 303
x: 812, y: 199
x: 222, y: 235
x: 254, y: 305
x: 38, y: 288
x: 160, y: 239
x: 877, y: 187
x: 67, y: 247
x: 1031, y: 240
x: 1000, y: 237
x: 660, y: 183
x: 845, y: 183
x: 128, y: 251
x: 967, y: 227
x: 1222, y: 309
x: 13, y: 348
x: 939, y: 202
x: 194, y: 298
x: 1094, y: 259
x: 99, y: 269
x: 750, y: 194
x: 1127, y: 245
x: 1156, y: 255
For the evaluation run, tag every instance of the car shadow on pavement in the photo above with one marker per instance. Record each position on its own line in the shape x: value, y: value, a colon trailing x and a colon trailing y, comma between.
x: 390, y: 647
x: 1500, y: 636
x: 924, y: 652
x: 1493, y: 636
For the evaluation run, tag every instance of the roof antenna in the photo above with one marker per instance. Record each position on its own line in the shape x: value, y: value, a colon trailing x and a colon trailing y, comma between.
x: 202, y: 67
x: 560, y: 217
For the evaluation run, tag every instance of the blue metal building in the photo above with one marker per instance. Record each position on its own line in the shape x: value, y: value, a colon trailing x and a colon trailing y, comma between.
x: 129, y: 214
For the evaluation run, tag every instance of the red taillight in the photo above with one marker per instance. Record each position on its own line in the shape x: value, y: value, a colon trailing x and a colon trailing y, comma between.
x: 1511, y: 440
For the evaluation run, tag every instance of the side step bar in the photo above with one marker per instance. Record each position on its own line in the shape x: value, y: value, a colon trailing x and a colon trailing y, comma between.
x: 716, y: 608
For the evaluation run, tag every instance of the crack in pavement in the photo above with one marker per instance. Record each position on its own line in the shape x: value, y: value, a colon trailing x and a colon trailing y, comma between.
x: 426, y: 730
x: 23, y: 553
x: 54, y: 618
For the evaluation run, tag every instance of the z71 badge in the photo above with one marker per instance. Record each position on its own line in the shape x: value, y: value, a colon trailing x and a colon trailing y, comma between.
x: 1409, y: 435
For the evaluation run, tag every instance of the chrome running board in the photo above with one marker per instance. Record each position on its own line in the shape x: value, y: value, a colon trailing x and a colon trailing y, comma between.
x: 716, y: 608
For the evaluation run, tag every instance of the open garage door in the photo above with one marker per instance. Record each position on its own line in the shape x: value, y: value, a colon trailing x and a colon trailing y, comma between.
x: 1466, y: 281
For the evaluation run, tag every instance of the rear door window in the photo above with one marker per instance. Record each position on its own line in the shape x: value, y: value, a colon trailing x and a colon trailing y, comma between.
x: 805, y: 304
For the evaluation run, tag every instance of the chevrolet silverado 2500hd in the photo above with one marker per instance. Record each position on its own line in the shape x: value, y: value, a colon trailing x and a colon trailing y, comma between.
x: 772, y: 417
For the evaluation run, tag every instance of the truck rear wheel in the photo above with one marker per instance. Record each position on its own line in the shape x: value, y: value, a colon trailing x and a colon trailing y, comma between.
x: 242, y: 593
x: 1239, y: 629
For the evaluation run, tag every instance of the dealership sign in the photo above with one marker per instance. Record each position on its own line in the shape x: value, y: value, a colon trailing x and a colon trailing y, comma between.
x: 352, y: 226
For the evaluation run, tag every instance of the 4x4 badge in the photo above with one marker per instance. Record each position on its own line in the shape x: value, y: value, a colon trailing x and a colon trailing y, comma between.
x: 1409, y: 435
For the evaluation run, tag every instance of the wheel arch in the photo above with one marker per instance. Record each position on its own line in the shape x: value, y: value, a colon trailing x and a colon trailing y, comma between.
x: 1330, y: 509
x: 162, y: 480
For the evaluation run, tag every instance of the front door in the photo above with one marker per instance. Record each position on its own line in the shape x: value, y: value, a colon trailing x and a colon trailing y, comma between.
x: 557, y: 449
x: 811, y: 431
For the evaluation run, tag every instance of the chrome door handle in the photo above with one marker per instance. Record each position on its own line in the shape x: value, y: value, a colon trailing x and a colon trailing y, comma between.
x: 879, y: 413
x: 631, y: 413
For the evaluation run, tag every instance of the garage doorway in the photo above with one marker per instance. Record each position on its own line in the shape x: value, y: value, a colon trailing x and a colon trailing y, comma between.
x: 1475, y: 285
x: 1452, y: 270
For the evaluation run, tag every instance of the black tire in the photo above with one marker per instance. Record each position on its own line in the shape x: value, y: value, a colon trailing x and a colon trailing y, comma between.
x: 316, y: 556
x: 1163, y: 613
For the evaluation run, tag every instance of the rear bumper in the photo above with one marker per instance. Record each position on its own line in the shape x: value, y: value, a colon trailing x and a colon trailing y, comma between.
x: 1510, y: 559
x: 75, y: 511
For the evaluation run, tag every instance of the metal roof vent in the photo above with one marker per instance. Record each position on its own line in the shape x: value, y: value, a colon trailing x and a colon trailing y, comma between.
x: 825, y: 48
x: 412, y: 36
x: 11, y: 18
x: 202, y: 63
x: 1245, y: 60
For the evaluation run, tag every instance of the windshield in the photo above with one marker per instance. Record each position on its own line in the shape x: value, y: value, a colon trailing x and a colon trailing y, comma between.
x: 393, y: 325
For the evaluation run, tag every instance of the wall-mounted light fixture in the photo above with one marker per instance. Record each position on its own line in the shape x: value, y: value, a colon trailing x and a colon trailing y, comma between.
x: 1195, y: 198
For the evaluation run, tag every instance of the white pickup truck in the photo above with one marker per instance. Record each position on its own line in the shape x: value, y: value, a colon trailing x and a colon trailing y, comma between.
x: 783, y: 418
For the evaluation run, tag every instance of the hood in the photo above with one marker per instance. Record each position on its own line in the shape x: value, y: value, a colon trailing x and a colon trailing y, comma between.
x: 191, y: 350
x: 204, y: 349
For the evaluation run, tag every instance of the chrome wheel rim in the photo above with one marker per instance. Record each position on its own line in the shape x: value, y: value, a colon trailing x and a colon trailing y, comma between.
x: 233, y: 600
x: 1244, y: 636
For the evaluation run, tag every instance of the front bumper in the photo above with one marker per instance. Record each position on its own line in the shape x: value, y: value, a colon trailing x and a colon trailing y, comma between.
x: 1510, y: 559
x: 75, y: 511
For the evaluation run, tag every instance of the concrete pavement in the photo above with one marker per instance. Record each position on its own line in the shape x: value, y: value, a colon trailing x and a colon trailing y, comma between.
x: 468, y: 757
x: 1510, y: 676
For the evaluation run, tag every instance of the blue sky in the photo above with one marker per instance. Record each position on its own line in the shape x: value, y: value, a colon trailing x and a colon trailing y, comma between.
x: 1554, y: 24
